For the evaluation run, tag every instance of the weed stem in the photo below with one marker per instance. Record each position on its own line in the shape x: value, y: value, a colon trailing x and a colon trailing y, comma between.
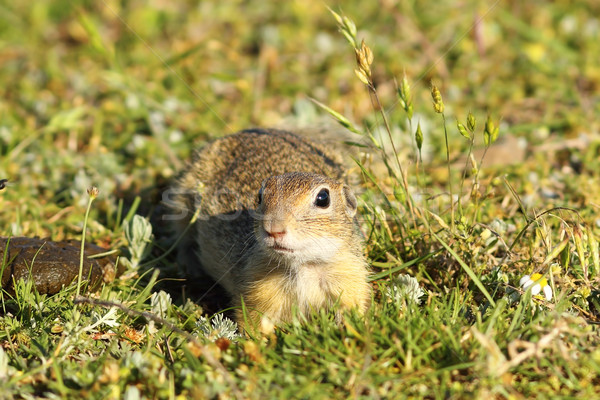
x: 449, y: 172
x: 82, y: 252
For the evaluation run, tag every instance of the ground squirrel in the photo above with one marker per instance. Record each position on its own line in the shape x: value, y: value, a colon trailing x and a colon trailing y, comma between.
x: 276, y: 225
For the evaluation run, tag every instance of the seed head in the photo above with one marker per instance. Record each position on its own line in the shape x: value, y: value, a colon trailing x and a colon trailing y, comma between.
x: 346, y: 27
x: 490, y: 132
x: 364, y: 59
x: 405, y: 96
x: 93, y: 192
x: 419, y: 136
x: 405, y: 89
x: 462, y: 130
x: 337, y: 16
x: 471, y: 122
x: 368, y: 53
x: 438, y: 104
x: 362, y: 76
x: 349, y: 25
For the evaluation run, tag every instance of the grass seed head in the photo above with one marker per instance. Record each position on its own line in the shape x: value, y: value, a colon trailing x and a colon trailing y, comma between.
x: 404, y: 95
x: 438, y: 104
x: 462, y: 130
x: 349, y: 25
x: 405, y: 89
x: 364, y: 59
x: 471, y: 122
x: 419, y: 136
x: 346, y: 26
x: 490, y: 132
x: 368, y: 53
x: 362, y: 76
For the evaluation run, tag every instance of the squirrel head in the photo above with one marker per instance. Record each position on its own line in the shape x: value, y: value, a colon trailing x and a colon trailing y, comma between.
x: 304, y: 217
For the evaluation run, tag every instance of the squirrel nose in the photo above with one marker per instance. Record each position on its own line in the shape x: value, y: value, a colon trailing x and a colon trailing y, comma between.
x: 275, y: 229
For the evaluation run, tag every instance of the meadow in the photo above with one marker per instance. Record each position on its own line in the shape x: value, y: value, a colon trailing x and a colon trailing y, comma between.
x: 475, y: 135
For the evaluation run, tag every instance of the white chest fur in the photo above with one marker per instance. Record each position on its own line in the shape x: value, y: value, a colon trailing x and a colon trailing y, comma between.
x: 314, y: 288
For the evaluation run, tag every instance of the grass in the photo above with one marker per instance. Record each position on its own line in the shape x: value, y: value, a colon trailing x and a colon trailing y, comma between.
x: 116, y: 96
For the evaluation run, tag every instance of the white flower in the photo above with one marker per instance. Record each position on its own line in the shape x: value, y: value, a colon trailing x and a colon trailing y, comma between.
x: 160, y: 303
x: 218, y: 327
x: 109, y: 319
x: 405, y: 287
x: 538, y: 284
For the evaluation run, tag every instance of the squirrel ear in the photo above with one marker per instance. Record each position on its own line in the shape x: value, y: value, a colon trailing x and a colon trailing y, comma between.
x: 351, y: 203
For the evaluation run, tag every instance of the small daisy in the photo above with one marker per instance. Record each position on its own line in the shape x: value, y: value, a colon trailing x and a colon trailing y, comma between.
x: 539, y: 284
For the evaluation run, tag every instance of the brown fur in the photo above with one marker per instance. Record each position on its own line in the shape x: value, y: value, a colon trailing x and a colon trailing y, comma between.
x: 232, y: 239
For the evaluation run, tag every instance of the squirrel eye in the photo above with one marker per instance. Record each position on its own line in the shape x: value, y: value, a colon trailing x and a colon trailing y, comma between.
x: 322, y: 200
x: 260, y: 195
